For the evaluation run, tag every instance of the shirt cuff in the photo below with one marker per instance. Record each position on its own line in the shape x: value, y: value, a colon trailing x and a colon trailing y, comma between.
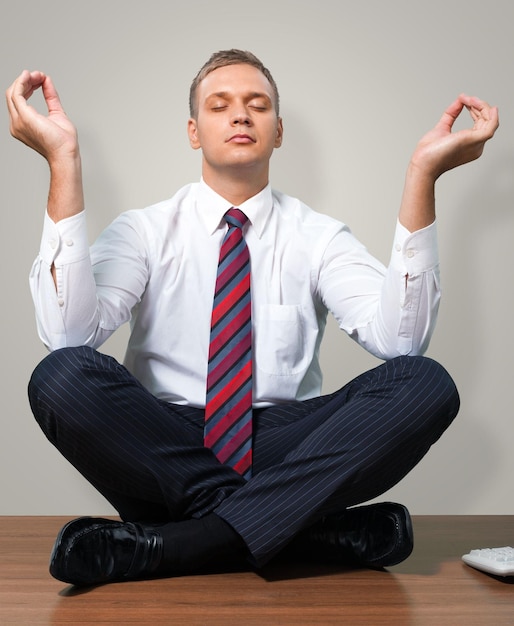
x: 65, y: 241
x: 417, y: 252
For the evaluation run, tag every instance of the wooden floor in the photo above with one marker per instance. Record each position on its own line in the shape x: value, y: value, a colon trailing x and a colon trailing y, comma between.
x: 433, y: 587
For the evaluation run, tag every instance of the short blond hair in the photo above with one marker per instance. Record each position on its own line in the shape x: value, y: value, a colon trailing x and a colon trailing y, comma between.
x: 222, y: 59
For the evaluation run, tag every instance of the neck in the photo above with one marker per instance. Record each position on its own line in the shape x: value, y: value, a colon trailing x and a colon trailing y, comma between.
x: 236, y: 188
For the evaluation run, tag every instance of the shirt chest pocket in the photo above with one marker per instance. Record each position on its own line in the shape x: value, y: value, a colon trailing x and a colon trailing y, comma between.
x: 284, y: 340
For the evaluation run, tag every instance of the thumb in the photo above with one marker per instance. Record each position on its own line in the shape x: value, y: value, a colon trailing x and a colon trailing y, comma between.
x: 51, y: 96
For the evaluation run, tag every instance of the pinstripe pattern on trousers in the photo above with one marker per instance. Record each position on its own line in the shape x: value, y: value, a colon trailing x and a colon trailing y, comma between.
x: 148, y: 459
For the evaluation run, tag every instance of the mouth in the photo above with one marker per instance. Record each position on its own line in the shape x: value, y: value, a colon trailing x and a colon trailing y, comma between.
x: 241, y: 138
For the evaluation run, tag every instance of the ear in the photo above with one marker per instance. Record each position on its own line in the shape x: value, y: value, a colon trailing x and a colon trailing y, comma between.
x: 192, y: 131
x: 280, y: 133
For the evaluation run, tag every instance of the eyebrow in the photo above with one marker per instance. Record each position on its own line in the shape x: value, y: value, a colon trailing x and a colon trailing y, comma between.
x: 249, y: 96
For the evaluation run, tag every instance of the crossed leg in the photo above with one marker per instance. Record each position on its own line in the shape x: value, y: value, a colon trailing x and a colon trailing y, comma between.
x: 326, y: 454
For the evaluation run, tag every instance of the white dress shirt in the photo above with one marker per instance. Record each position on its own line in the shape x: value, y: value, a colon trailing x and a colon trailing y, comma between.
x: 156, y: 269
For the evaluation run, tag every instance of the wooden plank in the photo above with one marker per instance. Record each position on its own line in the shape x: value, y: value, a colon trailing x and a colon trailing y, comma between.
x: 433, y: 587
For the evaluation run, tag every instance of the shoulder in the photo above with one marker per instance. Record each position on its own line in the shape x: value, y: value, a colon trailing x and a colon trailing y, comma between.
x: 159, y: 216
x: 147, y: 226
x: 291, y: 208
x: 164, y: 209
x: 324, y: 236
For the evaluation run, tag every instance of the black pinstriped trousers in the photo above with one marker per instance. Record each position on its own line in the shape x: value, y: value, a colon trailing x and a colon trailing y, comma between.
x: 147, y: 457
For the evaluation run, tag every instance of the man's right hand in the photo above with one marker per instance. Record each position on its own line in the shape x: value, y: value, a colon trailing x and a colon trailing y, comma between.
x: 53, y: 136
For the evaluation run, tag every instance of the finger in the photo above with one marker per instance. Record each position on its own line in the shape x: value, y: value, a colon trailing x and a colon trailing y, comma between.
x: 479, y: 108
x: 27, y: 83
x: 474, y: 102
x: 22, y: 115
x: 15, y: 94
x: 15, y: 88
x: 486, y: 113
x: 51, y: 96
x: 450, y: 114
x: 484, y: 116
x: 23, y: 88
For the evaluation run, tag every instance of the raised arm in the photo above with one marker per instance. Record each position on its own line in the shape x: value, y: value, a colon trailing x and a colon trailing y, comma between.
x: 53, y: 136
x: 441, y: 150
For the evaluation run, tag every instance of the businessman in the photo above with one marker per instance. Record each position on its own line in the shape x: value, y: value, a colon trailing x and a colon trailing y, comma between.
x: 212, y: 440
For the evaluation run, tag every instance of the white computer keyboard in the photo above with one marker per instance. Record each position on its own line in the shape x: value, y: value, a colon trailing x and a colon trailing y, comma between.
x: 498, y: 561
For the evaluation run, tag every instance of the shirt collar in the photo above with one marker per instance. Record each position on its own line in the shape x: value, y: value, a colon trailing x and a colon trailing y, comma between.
x: 212, y: 207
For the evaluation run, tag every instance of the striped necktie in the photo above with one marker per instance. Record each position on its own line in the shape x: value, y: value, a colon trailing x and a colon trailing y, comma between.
x: 228, y: 410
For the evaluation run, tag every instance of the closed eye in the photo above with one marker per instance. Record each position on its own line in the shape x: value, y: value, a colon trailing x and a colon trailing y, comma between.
x: 260, y: 104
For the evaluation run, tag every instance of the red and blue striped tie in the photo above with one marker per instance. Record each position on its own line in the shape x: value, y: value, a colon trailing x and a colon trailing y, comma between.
x: 228, y: 410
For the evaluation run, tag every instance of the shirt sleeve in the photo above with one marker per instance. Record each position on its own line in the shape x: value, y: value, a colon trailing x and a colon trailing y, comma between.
x: 389, y: 311
x: 75, y: 310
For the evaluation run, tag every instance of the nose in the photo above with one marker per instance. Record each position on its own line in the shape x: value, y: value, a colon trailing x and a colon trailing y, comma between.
x: 241, y: 117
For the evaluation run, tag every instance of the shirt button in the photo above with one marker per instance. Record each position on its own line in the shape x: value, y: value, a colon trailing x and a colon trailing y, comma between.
x: 398, y: 247
x: 53, y: 243
x: 60, y: 302
x: 69, y: 242
x: 411, y: 253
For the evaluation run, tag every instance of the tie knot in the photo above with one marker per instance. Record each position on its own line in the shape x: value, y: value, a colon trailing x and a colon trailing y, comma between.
x: 236, y: 217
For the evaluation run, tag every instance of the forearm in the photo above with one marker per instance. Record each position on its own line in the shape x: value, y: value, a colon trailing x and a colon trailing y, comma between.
x: 407, y: 312
x: 95, y: 289
x: 417, y: 209
x: 411, y: 293
x: 401, y: 319
x: 66, y: 195
x: 66, y: 307
x: 389, y: 311
x: 60, y: 323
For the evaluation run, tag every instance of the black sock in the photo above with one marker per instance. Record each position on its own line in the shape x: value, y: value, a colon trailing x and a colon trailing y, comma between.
x: 209, y: 541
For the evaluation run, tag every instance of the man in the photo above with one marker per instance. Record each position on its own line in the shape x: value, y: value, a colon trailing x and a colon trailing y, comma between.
x: 187, y: 496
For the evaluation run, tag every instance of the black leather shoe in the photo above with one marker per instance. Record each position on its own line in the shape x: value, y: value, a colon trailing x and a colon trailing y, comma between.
x: 376, y: 535
x: 91, y: 551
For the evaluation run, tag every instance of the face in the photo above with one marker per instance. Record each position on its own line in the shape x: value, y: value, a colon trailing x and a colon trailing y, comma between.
x: 236, y: 125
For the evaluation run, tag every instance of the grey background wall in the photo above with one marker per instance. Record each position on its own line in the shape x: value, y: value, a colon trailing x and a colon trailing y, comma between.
x: 360, y: 83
